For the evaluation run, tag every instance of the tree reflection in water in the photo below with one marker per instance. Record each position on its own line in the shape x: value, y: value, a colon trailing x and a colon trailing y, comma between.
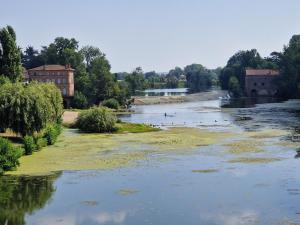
x: 23, y: 195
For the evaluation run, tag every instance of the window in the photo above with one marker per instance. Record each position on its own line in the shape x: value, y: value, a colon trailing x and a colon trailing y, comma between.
x: 58, y: 80
x: 64, y: 91
x: 64, y: 81
x: 262, y: 84
x: 255, y: 83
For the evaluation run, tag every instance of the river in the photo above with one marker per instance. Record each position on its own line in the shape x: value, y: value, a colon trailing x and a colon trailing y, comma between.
x: 203, y: 186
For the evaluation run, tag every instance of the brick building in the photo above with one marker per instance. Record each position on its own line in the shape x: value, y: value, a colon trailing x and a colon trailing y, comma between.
x: 260, y: 82
x: 62, y: 76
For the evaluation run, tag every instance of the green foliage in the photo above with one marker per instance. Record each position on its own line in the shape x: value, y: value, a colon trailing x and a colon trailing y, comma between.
x: 237, y: 64
x: 289, y: 63
x: 136, y: 81
x: 40, y: 142
x: 79, y: 101
x: 9, y: 155
x: 234, y: 87
x: 31, y: 58
x: 52, y: 132
x: 29, y: 145
x: 198, y: 77
x: 96, y: 120
x: 10, y: 55
x: 111, y: 103
x: 122, y: 127
x: 27, y: 109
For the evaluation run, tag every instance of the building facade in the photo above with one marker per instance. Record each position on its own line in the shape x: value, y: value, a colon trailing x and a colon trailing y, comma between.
x: 260, y: 82
x: 61, y: 76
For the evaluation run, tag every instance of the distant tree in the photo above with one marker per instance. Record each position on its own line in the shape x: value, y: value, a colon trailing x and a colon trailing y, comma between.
x: 136, y: 80
x: 237, y: 64
x: 289, y: 64
x: 234, y: 87
x: 90, y: 53
x: 172, y: 82
x: 176, y: 72
x: 10, y: 55
x: 198, y: 77
x: 79, y: 101
x: 31, y: 58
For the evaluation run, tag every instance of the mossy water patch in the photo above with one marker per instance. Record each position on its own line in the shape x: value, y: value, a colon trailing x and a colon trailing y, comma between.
x: 134, y: 128
x: 126, y: 192
x: 254, y: 160
x: 267, y: 133
x: 79, y: 151
x: 244, y: 146
x: 205, y: 171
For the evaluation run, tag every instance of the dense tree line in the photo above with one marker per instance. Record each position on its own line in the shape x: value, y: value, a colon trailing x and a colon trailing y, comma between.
x: 94, y: 81
x: 232, y: 76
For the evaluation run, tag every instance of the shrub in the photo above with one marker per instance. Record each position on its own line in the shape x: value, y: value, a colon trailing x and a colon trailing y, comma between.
x: 40, y: 143
x: 9, y: 155
x: 29, y: 144
x: 96, y: 120
x: 111, y: 103
x: 52, y: 133
x: 79, y: 101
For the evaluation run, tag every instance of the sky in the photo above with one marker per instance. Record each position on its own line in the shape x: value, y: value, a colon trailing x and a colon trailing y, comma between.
x: 157, y: 34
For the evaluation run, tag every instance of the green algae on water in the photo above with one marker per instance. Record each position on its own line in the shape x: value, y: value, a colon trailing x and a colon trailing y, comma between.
x: 205, y: 171
x: 126, y: 192
x: 254, y: 160
x: 245, y: 146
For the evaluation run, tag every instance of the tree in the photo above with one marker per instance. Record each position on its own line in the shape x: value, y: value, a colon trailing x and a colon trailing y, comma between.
x: 90, y: 53
x: 10, y: 55
x: 198, y: 77
x: 237, y: 64
x: 234, y: 87
x: 289, y: 63
x: 31, y: 58
x: 80, y: 100
x: 27, y: 109
x: 176, y: 72
x: 136, y: 80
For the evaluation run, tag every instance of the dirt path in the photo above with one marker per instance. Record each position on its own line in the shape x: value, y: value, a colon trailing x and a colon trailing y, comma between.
x: 69, y: 116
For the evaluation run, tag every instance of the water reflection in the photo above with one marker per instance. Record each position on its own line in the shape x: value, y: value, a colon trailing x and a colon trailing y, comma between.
x: 23, y: 195
x: 247, y: 102
x: 298, y: 154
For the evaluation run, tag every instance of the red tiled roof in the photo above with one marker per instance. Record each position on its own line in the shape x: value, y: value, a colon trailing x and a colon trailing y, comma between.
x: 51, y: 67
x: 261, y: 72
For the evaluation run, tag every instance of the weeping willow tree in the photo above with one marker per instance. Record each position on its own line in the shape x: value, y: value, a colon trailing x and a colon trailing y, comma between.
x: 27, y: 109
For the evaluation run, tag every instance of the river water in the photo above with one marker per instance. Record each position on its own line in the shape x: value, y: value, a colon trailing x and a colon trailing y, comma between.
x: 167, y: 191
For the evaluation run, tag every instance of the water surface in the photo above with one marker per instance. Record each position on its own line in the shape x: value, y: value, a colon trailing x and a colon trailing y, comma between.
x: 201, y: 187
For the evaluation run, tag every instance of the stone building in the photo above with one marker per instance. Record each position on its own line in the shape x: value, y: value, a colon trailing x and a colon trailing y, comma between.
x: 61, y: 76
x: 260, y: 82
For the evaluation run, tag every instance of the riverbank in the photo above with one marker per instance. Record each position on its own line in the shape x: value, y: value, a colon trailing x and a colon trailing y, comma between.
x: 203, y: 96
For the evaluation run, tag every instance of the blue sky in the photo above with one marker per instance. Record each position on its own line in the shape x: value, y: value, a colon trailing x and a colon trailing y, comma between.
x: 157, y: 34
